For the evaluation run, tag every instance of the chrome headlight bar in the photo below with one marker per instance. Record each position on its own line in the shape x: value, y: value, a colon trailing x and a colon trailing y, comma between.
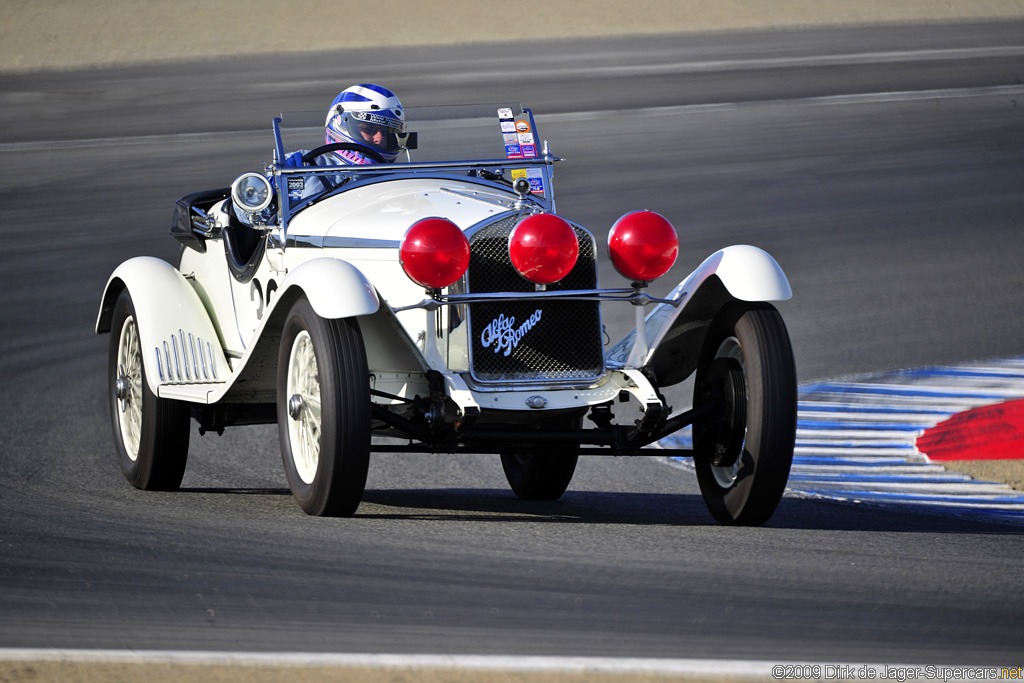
x: 632, y: 296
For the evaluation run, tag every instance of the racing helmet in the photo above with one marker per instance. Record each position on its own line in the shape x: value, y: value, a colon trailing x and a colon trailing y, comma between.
x: 368, y: 115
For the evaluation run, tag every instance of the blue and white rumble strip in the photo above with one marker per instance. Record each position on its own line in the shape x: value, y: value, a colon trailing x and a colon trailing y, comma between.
x: 855, y: 438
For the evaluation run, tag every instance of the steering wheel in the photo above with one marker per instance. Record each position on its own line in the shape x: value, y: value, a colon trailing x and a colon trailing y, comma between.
x: 308, y: 157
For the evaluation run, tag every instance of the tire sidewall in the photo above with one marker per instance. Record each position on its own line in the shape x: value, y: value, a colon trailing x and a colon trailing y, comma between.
x: 299, y: 320
x: 164, y: 429
x: 342, y: 462
x: 134, y: 471
x: 767, y: 449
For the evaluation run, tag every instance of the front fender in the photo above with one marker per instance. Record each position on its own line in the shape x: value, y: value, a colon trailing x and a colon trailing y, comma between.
x: 177, y: 337
x: 334, y: 288
x: 748, y: 273
x: 675, y: 333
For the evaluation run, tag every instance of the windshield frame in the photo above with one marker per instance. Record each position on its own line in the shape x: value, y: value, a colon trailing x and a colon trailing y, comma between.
x: 477, y: 128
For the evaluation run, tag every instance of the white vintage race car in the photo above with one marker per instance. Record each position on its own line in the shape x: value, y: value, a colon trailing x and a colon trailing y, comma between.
x: 439, y: 304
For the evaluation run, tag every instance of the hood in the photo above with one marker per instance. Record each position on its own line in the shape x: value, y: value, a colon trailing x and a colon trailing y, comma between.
x: 385, y: 210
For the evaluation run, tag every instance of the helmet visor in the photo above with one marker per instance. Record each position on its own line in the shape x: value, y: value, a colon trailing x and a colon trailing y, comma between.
x: 380, y: 132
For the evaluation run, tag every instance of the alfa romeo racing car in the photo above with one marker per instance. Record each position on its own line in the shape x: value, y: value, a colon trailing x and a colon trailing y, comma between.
x: 440, y: 304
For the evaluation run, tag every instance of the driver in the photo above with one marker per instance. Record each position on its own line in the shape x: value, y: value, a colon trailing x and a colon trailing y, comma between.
x: 366, y: 116
x: 369, y: 120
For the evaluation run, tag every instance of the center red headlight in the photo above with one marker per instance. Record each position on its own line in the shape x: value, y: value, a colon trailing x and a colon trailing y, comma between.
x: 543, y: 248
x: 434, y: 252
x: 643, y: 245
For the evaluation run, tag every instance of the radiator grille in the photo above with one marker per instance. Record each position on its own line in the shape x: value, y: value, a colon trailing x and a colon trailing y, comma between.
x: 531, y: 340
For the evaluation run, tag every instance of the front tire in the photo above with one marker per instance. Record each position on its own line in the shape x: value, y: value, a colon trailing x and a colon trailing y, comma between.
x: 542, y: 475
x: 151, y: 433
x: 746, y: 355
x: 323, y: 411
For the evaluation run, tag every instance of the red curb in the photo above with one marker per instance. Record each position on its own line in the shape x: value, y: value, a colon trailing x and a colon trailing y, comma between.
x: 994, y: 432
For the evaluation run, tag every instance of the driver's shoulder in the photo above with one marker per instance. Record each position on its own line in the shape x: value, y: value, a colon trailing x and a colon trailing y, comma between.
x: 298, y: 159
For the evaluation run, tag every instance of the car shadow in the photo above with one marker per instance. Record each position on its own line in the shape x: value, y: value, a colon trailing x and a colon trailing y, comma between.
x: 665, y: 509
x: 493, y: 505
x: 233, y: 491
x: 501, y: 505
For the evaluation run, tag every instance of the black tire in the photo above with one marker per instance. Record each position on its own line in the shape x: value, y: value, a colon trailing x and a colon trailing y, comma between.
x: 747, y: 488
x: 151, y: 433
x: 543, y: 475
x: 323, y: 411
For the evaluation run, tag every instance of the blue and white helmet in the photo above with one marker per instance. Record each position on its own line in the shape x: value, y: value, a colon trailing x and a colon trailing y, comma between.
x: 367, y: 115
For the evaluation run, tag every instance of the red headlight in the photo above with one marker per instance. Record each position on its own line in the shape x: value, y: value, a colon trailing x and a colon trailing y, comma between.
x: 543, y: 248
x: 643, y: 245
x: 434, y: 252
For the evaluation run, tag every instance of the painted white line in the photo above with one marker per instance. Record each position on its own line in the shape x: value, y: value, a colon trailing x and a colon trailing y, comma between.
x: 859, y: 432
x: 955, y: 389
x: 879, y: 419
x: 904, y: 451
x: 697, y: 668
x: 935, y: 487
x: 526, y: 664
x: 939, y: 404
x: 857, y: 467
x: 1010, y: 369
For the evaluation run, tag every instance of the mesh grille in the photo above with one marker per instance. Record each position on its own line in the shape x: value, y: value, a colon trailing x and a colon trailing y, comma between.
x: 531, y: 340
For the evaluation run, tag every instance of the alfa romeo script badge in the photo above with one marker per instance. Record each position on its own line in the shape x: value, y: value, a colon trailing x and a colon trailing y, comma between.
x: 503, y: 334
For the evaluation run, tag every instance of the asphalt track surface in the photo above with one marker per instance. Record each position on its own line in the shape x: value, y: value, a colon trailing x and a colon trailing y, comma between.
x: 883, y: 168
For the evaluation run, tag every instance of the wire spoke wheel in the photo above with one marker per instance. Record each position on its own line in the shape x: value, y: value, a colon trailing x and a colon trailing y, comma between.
x: 304, y: 407
x: 128, y: 388
x: 151, y: 433
x: 323, y: 409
